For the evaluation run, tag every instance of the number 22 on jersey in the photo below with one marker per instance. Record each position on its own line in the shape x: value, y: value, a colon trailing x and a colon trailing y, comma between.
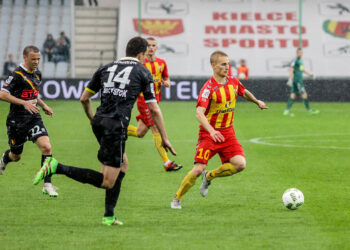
x: 122, y: 77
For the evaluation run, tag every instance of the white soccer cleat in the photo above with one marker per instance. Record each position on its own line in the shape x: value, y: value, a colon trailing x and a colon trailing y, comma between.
x: 204, y: 187
x: 176, y: 204
x: 2, y: 164
x: 50, y: 190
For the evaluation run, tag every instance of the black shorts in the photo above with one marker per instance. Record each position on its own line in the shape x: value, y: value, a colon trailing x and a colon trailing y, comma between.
x: 21, y: 129
x: 111, y: 134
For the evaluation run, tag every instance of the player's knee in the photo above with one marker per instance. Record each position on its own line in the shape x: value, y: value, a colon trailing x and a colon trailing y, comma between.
x: 198, y: 169
x: 15, y: 158
x: 141, y: 134
x: 108, y: 183
x: 46, y: 149
x: 240, y: 166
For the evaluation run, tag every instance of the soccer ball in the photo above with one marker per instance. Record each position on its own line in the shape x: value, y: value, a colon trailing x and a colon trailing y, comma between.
x: 293, y: 198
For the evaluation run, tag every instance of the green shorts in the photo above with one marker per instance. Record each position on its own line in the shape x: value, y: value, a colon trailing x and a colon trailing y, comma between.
x: 298, y: 88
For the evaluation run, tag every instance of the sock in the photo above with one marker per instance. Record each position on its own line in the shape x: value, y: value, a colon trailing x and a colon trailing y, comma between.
x: 7, y: 156
x: 83, y: 175
x: 112, y: 196
x: 289, y: 103
x: 158, y: 143
x: 47, y: 179
x: 186, y: 184
x: 132, y: 130
x: 306, y: 103
x: 225, y: 169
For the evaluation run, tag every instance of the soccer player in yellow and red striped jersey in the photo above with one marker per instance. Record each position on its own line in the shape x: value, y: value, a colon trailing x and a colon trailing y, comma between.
x: 215, y: 110
x: 159, y: 72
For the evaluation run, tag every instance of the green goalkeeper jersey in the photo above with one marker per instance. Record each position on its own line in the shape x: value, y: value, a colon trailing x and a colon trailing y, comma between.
x: 297, y: 65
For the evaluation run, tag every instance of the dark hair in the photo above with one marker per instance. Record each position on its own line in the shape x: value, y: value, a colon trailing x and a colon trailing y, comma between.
x: 135, y: 46
x: 30, y: 48
x: 299, y: 49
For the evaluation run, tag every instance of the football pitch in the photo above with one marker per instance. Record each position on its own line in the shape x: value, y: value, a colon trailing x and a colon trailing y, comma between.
x: 244, y: 211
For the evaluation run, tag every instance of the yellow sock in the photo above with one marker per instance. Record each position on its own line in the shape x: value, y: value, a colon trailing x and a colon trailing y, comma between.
x: 186, y: 184
x: 225, y: 169
x: 158, y: 143
x: 132, y: 130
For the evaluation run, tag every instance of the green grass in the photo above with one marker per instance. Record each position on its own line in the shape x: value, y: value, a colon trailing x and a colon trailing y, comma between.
x: 244, y: 211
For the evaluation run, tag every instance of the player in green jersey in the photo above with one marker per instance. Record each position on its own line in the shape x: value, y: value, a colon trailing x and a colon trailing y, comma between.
x: 295, y: 81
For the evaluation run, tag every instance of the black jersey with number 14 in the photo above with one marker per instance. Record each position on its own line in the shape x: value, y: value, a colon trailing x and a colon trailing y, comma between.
x: 120, y: 82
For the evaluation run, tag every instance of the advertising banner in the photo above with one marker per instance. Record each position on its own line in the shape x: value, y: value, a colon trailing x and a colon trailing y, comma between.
x: 263, y: 32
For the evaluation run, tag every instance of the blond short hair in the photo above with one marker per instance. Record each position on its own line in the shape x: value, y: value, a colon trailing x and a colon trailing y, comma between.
x: 215, y: 55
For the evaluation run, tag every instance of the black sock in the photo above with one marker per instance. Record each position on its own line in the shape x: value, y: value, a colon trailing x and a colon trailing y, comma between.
x: 7, y: 156
x: 83, y: 175
x: 112, y: 195
x: 47, y: 179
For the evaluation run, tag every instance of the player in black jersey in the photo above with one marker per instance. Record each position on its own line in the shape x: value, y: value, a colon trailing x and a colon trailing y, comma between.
x: 24, y: 122
x: 120, y: 82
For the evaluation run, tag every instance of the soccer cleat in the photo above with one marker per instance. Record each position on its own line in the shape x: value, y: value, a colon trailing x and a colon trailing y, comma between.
x: 2, y: 164
x: 313, y: 112
x: 288, y: 113
x: 175, y: 204
x: 110, y: 221
x: 204, y: 187
x: 172, y: 166
x: 49, y: 167
x: 49, y: 189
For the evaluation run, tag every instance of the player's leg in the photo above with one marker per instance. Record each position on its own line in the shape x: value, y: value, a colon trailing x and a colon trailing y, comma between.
x: 112, y: 196
x: 16, y: 140
x: 44, y: 145
x: 143, y: 120
x: 201, y: 158
x: 233, y: 161
x: 290, y: 103
x: 306, y: 103
x: 188, y: 181
x: 167, y: 164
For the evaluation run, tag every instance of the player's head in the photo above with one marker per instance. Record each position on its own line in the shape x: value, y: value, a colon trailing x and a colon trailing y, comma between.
x: 137, y: 47
x: 10, y: 57
x: 242, y: 62
x: 220, y: 63
x: 152, y: 46
x: 31, y: 57
x: 299, y: 52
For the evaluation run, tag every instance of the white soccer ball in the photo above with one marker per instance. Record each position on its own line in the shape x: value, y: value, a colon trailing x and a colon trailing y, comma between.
x: 293, y: 198
x: 241, y: 76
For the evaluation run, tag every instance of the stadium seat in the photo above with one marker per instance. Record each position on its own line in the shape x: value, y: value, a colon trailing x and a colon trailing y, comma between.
x: 61, y: 70
x: 32, y: 3
x: 7, y: 3
x: 49, y: 69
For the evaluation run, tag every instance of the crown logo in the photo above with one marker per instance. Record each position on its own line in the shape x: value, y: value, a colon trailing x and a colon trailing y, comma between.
x: 160, y: 27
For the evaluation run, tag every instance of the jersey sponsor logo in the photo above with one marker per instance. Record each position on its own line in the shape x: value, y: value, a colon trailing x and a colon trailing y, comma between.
x: 159, y: 27
x: 28, y: 94
x: 223, y: 111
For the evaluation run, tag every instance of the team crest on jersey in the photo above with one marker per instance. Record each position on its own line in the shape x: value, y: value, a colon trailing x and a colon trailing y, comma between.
x: 206, y: 93
x: 159, y: 27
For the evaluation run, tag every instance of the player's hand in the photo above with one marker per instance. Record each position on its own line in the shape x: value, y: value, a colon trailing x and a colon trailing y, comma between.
x: 31, y: 107
x: 166, y: 83
x: 217, y: 136
x: 167, y: 146
x: 48, y: 110
x: 262, y: 105
x: 289, y: 83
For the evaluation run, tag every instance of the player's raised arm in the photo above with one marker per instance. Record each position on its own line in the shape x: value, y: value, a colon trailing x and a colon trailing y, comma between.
x: 250, y: 97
